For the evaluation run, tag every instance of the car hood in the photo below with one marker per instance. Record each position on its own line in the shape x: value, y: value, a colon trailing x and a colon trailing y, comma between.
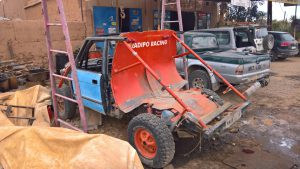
x: 233, y: 57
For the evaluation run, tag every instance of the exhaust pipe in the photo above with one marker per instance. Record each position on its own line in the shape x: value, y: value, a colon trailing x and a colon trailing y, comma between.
x: 259, y: 84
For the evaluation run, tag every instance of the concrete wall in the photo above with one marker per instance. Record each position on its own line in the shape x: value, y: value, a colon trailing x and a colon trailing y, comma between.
x: 33, y: 10
x: 13, y: 9
x: 27, y: 40
x: 1, y: 9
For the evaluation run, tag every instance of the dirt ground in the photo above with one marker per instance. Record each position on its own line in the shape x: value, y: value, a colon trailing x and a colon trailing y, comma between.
x: 267, y: 136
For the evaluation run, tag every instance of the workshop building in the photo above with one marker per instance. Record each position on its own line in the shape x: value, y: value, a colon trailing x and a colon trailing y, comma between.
x: 89, y: 18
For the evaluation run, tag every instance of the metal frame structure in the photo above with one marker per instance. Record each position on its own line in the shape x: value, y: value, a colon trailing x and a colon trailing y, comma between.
x: 172, y: 93
x: 179, y: 21
x: 9, y: 108
x: 69, y: 53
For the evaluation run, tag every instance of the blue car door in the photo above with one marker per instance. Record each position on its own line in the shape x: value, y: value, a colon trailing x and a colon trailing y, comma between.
x: 89, y: 82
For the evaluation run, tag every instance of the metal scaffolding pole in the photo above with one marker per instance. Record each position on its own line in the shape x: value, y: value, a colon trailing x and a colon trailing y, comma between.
x: 269, y: 15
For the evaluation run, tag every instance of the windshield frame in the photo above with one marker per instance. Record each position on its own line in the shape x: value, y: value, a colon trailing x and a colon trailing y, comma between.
x: 283, y: 37
x: 263, y: 30
x: 203, y: 36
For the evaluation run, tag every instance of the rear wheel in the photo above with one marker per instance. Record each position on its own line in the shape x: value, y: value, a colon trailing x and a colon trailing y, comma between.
x: 152, y: 139
x: 66, y: 109
x: 281, y: 59
x: 273, y: 56
x: 199, y: 79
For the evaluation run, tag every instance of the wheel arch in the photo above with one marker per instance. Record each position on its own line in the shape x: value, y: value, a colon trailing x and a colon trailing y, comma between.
x: 197, y: 67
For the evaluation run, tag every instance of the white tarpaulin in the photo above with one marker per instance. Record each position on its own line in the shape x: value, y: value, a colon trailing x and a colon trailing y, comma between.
x: 243, y: 3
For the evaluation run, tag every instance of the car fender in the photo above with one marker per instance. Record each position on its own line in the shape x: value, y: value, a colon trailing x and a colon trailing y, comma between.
x: 194, y: 64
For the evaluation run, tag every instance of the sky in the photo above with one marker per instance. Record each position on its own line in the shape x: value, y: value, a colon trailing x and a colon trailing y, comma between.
x: 278, y: 10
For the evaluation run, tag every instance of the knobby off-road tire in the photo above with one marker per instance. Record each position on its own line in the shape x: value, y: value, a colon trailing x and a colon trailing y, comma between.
x: 66, y: 108
x: 214, y: 96
x: 199, y: 76
x: 145, y: 128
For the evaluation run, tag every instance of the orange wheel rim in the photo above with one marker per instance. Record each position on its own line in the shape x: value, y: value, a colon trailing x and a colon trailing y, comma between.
x: 145, y: 143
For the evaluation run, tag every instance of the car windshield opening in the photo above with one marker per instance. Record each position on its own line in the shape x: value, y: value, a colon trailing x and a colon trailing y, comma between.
x: 261, y: 32
x: 202, y: 42
x: 286, y: 37
x: 223, y: 37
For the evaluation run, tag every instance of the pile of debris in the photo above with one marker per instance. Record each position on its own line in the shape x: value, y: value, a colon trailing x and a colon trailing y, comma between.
x: 14, y: 74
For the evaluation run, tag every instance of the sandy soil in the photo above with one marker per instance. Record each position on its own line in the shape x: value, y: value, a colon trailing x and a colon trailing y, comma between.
x: 267, y: 136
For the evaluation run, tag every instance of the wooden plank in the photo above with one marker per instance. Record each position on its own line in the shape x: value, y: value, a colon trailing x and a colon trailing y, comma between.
x: 32, y: 3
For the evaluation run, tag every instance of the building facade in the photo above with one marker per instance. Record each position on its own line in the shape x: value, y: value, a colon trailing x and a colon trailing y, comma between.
x: 23, y: 37
x: 111, y: 16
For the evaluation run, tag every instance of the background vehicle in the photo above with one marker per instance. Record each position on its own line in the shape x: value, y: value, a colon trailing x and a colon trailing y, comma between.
x: 252, y: 38
x: 236, y: 67
x: 133, y: 78
x: 285, y: 46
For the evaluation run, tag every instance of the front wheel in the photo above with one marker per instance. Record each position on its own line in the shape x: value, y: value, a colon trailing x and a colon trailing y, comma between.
x: 152, y: 139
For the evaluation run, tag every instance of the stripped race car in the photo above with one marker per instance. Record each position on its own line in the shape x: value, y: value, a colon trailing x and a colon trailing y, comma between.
x: 135, y: 75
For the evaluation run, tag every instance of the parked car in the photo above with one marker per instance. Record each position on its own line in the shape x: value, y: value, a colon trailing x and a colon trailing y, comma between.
x: 285, y: 46
x: 252, y: 38
x: 237, y: 67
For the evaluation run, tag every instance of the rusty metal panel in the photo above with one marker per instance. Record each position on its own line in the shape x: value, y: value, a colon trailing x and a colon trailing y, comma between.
x: 133, y: 85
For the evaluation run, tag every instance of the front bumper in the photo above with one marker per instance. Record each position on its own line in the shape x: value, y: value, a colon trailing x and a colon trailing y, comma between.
x: 226, y: 121
x: 225, y: 116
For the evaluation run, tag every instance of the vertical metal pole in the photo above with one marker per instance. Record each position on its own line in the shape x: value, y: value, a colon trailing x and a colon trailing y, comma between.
x: 72, y: 63
x: 158, y: 14
x: 163, y: 15
x: 118, y: 17
x: 184, y: 60
x: 196, y: 16
x: 50, y: 58
x: 295, y: 21
x: 81, y: 10
x: 269, y: 15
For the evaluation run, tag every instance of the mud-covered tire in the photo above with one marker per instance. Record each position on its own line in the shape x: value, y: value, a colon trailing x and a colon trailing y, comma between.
x: 199, y: 76
x: 213, y: 96
x: 67, y: 108
x: 157, y: 129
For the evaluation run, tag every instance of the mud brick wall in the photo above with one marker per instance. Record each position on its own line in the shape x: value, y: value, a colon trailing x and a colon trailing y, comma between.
x: 24, y: 40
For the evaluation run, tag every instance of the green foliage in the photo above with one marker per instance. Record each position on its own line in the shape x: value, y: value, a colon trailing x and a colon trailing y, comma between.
x: 282, y: 25
x: 241, y: 14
